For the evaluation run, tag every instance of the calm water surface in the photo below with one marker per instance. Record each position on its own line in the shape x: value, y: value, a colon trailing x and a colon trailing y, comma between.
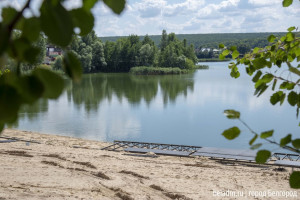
x: 178, y: 109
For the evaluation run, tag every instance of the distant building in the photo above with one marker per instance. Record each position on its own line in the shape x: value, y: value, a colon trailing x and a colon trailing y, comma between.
x: 53, y: 51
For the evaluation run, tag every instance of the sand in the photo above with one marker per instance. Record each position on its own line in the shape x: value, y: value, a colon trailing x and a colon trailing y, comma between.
x: 55, y: 169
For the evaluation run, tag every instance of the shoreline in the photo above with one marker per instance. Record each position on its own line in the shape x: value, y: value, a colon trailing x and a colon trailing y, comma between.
x: 55, y: 169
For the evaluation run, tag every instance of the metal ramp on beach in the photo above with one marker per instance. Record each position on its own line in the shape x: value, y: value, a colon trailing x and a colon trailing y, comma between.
x: 278, y: 159
x: 117, y: 145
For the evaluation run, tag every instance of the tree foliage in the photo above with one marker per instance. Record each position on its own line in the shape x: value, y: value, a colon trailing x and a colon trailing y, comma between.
x: 27, y: 49
x: 266, y: 65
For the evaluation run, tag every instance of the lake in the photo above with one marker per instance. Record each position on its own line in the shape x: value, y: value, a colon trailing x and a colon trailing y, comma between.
x: 175, y: 109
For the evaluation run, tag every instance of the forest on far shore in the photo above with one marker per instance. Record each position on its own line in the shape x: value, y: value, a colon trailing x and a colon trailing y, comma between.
x: 212, y: 40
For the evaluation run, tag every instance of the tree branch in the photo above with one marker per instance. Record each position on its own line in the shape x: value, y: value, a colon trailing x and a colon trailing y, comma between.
x: 18, y: 16
x: 268, y: 140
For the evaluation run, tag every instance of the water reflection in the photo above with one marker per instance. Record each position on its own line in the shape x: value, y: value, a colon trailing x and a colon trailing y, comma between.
x: 180, y: 109
x: 32, y: 112
x: 95, y: 88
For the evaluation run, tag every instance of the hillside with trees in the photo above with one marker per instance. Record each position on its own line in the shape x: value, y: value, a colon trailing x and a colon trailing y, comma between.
x: 212, y: 40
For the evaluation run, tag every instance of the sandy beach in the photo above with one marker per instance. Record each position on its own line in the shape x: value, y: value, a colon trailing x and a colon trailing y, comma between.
x: 54, y: 169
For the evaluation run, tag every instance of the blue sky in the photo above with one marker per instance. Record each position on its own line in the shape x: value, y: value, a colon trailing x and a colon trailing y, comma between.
x: 189, y: 16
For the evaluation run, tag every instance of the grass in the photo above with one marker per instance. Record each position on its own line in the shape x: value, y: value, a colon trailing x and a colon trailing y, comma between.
x: 143, y: 70
x: 201, y: 67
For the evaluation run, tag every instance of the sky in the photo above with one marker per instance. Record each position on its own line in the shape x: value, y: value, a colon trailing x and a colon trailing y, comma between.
x: 150, y: 17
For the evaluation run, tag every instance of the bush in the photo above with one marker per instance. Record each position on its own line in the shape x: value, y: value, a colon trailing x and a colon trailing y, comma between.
x: 143, y: 70
x: 44, y: 66
x: 189, y: 64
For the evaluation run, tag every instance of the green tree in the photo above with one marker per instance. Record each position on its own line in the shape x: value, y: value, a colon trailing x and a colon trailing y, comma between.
x: 58, y: 64
x: 147, y: 40
x: 98, y: 59
x: 146, y: 55
x: 243, y: 48
x: 164, y: 40
x: 109, y: 53
x: 90, y: 38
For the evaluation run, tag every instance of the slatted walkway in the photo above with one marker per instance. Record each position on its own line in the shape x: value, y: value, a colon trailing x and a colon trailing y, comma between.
x: 280, y: 159
x: 117, y: 145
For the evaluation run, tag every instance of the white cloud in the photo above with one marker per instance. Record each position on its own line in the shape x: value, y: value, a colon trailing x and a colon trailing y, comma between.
x: 187, y: 16
x: 149, y: 8
x: 264, y: 2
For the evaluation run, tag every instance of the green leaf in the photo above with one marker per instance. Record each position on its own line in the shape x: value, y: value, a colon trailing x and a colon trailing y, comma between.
x: 287, y: 85
x: 262, y: 156
x: 235, y: 72
x: 294, y: 70
x: 274, y: 84
x: 295, y: 180
x: 296, y: 143
x: 256, y: 146
x: 31, y: 54
x: 260, y: 89
x: 257, y: 76
x: 89, y: 4
x: 287, y: 3
x: 8, y: 14
x: 290, y: 36
x: 232, y: 114
x: 31, y: 29
x: 221, y: 46
x: 4, y: 38
x: 282, y: 97
x: 291, y: 28
x: 231, y: 133
x: 30, y: 88
x: 283, y: 38
x: 225, y: 52
x: 235, y: 54
x: 250, y: 70
x: 253, y: 139
x: 266, y: 134
x: 52, y: 82
x: 259, y: 63
x: 1, y: 127
x: 72, y: 66
x: 56, y: 23
x: 233, y: 48
x: 10, y: 102
x: 271, y: 38
x: 284, y: 141
x: 293, y: 98
x: 221, y: 57
x: 275, y: 98
x: 117, y: 6
x: 18, y: 48
x: 83, y: 19
x: 265, y: 79
x: 255, y: 50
